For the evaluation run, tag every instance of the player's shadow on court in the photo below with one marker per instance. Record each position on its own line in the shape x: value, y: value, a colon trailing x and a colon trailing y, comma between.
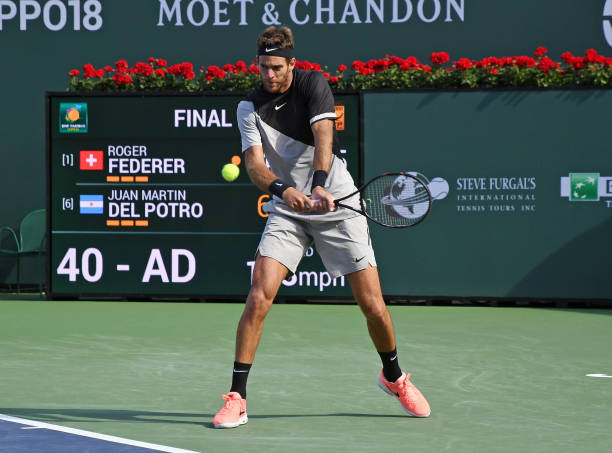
x: 339, y: 414
x: 60, y: 416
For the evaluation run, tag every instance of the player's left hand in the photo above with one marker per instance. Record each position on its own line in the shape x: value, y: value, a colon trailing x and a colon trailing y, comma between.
x: 323, y: 200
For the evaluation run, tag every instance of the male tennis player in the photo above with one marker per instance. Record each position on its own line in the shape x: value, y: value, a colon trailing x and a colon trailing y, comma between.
x: 288, y: 123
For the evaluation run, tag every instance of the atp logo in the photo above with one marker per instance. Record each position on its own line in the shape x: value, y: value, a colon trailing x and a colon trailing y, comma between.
x: 607, y: 21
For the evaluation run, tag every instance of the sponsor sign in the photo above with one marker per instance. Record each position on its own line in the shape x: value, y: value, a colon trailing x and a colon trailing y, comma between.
x: 586, y: 187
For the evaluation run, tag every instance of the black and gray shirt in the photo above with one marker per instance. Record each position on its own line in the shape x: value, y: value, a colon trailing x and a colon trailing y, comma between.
x: 281, y: 125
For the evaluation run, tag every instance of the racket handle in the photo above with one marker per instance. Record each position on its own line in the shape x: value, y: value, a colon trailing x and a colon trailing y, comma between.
x: 318, y: 202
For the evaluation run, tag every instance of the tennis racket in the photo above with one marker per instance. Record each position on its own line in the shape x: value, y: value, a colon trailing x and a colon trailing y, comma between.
x: 392, y: 200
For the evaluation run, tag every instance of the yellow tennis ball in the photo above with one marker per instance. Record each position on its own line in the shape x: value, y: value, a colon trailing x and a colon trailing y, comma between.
x: 230, y: 172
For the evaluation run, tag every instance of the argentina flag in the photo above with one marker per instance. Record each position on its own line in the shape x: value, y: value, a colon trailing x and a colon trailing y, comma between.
x: 91, y: 204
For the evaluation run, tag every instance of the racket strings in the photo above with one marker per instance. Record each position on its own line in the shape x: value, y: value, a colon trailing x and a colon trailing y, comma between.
x: 396, y: 200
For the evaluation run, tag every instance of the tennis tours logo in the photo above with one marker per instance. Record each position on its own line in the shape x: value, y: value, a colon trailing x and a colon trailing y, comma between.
x: 73, y: 118
x: 587, y: 187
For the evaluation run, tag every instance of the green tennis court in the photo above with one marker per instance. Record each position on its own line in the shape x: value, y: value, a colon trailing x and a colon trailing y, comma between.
x: 498, y: 379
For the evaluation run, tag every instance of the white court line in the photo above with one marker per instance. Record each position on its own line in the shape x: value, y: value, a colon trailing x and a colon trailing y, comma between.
x: 78, y: 432
x: 599, y: 375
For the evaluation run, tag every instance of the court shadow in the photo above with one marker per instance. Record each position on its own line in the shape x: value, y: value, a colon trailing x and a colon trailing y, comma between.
x: 340, y: 414
x: 59, y: 416
x: 53, y: 415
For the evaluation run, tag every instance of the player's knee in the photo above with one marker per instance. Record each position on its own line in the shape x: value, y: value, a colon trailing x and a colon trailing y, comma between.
x: 258, y: 304
x: 374, y: 311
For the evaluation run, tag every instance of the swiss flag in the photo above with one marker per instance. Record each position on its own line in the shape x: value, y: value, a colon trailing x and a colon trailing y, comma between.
x: 92, y: 160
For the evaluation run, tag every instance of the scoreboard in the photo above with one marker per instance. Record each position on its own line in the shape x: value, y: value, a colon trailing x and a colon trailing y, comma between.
x: 138, y: 207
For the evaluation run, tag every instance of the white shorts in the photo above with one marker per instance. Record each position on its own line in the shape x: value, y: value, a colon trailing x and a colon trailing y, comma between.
x: 344, y: 245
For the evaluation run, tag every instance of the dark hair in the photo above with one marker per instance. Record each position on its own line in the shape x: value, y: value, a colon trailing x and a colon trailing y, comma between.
x: 280, y: 37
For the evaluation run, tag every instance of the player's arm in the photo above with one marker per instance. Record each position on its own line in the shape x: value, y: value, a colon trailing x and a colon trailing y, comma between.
x: 322, y: 115
x: 323, y: 132
x: 267, y: 181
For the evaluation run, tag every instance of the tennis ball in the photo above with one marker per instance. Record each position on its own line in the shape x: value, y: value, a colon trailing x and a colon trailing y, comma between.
x: 230, y: 172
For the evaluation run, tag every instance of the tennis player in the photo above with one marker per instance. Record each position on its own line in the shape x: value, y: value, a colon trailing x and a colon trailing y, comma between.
x: 290, y: 148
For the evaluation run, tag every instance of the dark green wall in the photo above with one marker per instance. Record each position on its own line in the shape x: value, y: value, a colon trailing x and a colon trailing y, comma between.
x: 37, y: 59
x: 507, y: 226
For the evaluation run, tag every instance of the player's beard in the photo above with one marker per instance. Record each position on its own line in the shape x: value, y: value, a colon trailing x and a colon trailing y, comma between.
x: 280, y: 83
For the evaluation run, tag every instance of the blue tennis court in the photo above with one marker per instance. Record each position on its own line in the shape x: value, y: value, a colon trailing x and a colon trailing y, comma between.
x: 18, y: 435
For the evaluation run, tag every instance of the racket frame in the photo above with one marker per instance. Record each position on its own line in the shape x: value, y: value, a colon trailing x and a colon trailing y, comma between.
x: 359, y: 191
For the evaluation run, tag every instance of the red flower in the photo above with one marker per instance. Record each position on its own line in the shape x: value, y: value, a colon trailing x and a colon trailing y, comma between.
x: 229, y: 67
x: 253, y: 69
x: 540, y: 51
x: 151, y: 59
x: 308, y: 66
x: 186, y: 68
x: 523, y: 62
x: 591, y: 55
x: 143, y: 69
x: 215, y: 72
x: 326, y: 75
x: 568, y: 57
x: 160, y: 72
x: 342, y: 68
x: 463, y: 64
x: 489, y: 62
x: 241, y: 66
x: 121, y: 78
x: 546, y: 64
x: 89, y: 70
x: 100, y: 73
x: 409, y: 63
x: 397, y: 61
x: 108, y: 68
x: 378, y: 65
x: 175, y: 69
x: 333, y: 79
x: 121, y: 64
x: 74, y: 73
x: 439, y: 58
x: 162, y: 63
x: 579, y: 62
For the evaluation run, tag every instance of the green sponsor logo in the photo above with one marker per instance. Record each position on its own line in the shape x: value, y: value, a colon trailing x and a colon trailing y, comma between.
x: 73, y: 117
x: 584, y: 186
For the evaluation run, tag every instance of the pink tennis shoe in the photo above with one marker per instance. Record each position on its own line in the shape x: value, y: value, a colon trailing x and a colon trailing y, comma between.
x: 411, y: 399
x: 233, y: 413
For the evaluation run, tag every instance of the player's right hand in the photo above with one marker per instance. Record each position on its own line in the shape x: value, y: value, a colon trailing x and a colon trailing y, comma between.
x: 297, y: 201
x: 323, y: 200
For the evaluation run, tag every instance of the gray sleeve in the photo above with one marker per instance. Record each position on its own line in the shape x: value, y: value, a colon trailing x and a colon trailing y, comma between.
x: 247, y: 124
